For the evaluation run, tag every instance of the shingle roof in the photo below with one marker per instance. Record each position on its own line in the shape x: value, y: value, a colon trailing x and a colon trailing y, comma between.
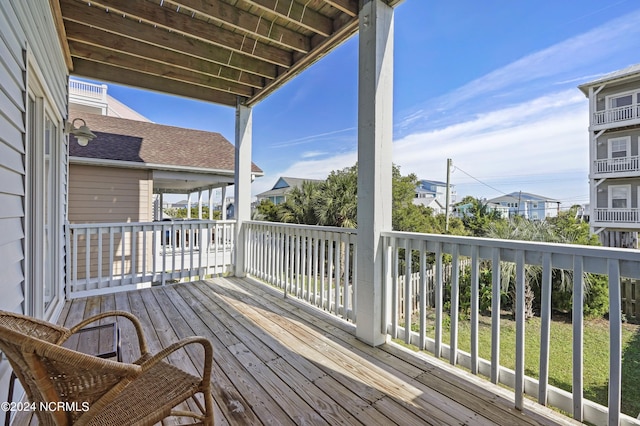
x: 524, y: 196
x: 150, y: 143
x: 619, y: 74
x: 290, y: 181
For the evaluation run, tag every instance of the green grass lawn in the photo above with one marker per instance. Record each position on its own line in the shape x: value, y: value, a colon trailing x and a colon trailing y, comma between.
x: 596, y: 355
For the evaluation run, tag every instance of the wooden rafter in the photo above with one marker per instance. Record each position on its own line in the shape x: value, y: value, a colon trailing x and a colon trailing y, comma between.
x: 128, y: 28
x: 298, y: 14
x: 257, y: 26
x: 170, y: 20
x: 217, y: 50
x: 96, y: 37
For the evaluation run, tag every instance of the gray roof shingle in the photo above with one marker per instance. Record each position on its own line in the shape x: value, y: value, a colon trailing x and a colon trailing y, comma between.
x: 150, y: 143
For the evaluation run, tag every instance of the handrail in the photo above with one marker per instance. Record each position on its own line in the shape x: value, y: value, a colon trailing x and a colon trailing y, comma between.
x: 317, y: 265
x: 109, y: 257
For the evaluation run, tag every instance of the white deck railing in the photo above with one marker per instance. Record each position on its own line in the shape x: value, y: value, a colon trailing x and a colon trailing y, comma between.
x: 617, y: 215
x: 89, y: 90
x: 614, y: 263
x: 317, y: 264
x: 314, y: 263
x: 618, y: 165
x: 614, y: 115
x: 108, y: 257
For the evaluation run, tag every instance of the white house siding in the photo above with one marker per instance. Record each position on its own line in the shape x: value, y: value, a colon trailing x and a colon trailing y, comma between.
x: 28, y: 36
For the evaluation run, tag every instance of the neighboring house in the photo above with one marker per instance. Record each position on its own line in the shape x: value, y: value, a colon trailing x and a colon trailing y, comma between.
x: 122, y: 175
x: 527, y: 205
x: 278, y: 194
x: 614, y: 149
x: 114, y: 177
x: 462, y: 210
x: 433, y: 194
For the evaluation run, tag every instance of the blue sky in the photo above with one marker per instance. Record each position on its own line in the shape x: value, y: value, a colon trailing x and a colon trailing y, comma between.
x: 491, y: 85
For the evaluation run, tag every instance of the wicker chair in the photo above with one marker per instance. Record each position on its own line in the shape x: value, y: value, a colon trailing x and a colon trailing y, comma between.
x: 99, y: 391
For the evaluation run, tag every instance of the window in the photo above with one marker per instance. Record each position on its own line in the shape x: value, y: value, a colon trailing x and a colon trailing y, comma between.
x: 619, y: 196
x: 621, y: 101
x: 619, y: 147
x: 45, y: 145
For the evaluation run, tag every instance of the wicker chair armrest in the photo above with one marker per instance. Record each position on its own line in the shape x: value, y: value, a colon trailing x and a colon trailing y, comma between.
x: 142, y: 342
x: 206, y: 345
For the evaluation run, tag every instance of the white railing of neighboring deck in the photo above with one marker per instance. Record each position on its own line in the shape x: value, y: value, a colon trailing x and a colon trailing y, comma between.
x: 108, y: 257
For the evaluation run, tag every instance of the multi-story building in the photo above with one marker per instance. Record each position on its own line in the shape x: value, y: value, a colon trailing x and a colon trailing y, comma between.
x: 433, y: 194
x: 614, y: 143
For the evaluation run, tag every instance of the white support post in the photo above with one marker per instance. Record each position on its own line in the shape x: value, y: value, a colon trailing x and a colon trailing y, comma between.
x: 211, y: 203
x: 375, y: 133
x: 242, y: 183
x: 189, y: 206
x: 161, y: 212
x: 200, y: 205
x: 223, y: 203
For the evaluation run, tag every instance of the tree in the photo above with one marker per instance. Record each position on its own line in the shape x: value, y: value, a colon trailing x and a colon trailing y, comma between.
x: 478, y: 216
x: 299, y: 206
x: 337, y: 202
x: 266, y: 210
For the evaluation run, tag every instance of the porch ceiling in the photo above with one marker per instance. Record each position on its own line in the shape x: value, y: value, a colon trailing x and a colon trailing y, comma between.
x: 219, y: 51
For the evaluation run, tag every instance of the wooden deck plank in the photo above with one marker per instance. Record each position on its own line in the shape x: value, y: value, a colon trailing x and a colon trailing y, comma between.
x: 278, y: 361
x: 341, y: 363
x: 233, y: 389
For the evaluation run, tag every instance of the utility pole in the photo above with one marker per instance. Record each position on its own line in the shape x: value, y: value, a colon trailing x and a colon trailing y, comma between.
x: 448, y: 196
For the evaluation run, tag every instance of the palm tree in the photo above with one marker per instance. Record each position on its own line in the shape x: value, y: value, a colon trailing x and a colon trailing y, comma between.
x: 299, y: 206
x: 337, y: 203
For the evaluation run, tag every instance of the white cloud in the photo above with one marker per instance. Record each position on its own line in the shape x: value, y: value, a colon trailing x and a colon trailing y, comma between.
x: 534, y: 141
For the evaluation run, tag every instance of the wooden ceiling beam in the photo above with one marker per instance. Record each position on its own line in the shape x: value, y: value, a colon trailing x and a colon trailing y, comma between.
x: 246, y: 22
x: 320, y: 50
x: 350, y: 7
x: 181, y: 23
x: 117, y: 24
x: 108, y: 73
x: 122, y: 60
x: 93, y: 36
x: 297, y: 14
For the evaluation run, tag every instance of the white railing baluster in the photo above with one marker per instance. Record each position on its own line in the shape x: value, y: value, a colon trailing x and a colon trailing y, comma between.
x: 87, y: 259
x: 475, y: 307
x: 330, y: 272
x: 100, y: 254
x: 407, y: 291
x: 545, y: 328
x: 337, y: 272
x: 496, y: 294
x: 615, y: 342
x: 439, y: 293
x: 455, y: 305
x: 520, y: 318
x: 395, y: 289
x: 423, y: 296
x: 345, y: 295
x: 578, y: 333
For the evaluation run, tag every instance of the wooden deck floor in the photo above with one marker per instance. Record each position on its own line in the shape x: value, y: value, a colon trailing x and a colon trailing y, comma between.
x: 281, y: 362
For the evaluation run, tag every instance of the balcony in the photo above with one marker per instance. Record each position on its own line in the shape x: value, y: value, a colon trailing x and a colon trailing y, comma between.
x: 624, y: 115
x: 625, y: 166
x: 288, y: 351
x: 279, y: 361
x: 617, y: 216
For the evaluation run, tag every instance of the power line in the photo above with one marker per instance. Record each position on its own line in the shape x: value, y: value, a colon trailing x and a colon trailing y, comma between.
x: 478, y: 180
x: 504, y: 193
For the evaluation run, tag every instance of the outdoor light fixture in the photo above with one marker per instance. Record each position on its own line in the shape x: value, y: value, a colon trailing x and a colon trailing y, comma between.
x: 83, y: 134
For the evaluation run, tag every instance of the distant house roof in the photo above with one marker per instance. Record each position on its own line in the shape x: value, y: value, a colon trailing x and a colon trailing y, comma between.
x: 623, y: 74
x: 155, y: 145
x: 523, y: 196
x: 284, y: 185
